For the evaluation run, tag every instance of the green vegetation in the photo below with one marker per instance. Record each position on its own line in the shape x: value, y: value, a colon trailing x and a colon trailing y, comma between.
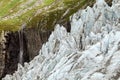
x: 43, y: 14
x: 13, y: 13
x: 47, y: 2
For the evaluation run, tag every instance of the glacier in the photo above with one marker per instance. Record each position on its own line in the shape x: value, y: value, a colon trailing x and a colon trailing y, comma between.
x: 90, y: 51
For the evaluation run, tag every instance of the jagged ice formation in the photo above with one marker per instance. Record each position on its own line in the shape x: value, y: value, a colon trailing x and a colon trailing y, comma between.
x: 91, y: 51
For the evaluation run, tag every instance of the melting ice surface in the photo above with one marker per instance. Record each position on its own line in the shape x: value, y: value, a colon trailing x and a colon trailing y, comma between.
x: 91, y: 51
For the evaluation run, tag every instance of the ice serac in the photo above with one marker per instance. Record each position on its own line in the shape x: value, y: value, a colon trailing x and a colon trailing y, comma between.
x: 90, y: 51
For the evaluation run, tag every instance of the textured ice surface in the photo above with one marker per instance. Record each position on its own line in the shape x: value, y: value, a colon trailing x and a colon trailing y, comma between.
x: 91, y: 51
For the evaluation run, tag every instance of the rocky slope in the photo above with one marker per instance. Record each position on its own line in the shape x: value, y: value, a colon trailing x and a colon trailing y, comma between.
x: 90, y: 51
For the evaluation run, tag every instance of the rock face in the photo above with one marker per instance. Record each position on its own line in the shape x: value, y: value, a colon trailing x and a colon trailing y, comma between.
x: 35, y: 39
x: 10, y: 48
x: 11, y: 52
x: 90, y: 51
x: 2, y: 55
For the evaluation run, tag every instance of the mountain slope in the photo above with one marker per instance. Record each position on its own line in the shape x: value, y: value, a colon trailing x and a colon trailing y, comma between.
x: 37, y: 13
x: 13, y: 13
x: 91, y: 51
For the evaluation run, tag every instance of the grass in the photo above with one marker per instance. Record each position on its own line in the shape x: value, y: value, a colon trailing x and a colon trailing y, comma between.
x: 10, y: 7
x: 7, y: 7
x: 41, y: 16
x: 48, y: 2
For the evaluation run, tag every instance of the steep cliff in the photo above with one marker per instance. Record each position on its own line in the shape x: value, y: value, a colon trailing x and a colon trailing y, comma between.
x: 90, y: 51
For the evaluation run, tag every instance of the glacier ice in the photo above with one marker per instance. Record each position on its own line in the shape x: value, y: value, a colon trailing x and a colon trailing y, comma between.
x: 90, y: 51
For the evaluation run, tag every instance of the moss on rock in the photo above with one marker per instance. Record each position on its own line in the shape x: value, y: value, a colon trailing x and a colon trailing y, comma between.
x: 43, y: 14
